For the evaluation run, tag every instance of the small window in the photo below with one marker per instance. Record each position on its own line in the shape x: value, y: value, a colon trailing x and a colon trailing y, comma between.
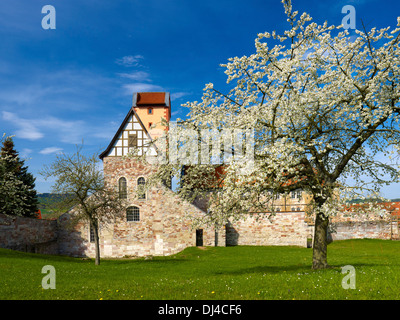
x: 132, y: 214
x: 122, y: 190
x: 141, y: 188
x: 150, y: 124
x: 150, y: 111
x: 132, y: 140
x: 293, y: 209
x: 296, y: 194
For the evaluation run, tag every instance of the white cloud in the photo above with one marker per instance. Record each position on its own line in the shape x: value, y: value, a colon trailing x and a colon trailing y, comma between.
x: 108, y: 131
x: 25, y: 152
x: 26, y: 127
x: 50, y: 150
x: 141, y: 79
x: 23, y: 96
x: 69, y: 131
x: 141, y: 87
x: 33, y: 129
x: 137, y: 76
x: 129, y: 61
x: 177, y: 95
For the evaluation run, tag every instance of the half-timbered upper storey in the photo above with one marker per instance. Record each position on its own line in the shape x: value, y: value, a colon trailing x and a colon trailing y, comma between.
x: 142, y: 123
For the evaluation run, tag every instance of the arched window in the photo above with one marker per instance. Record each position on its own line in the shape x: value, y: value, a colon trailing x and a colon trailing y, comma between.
x: 132, y: 214
x: 141, y: 188
x: 122, y: 190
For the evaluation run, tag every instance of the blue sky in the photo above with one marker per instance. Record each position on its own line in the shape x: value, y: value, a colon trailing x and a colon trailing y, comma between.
x: 75, y: 83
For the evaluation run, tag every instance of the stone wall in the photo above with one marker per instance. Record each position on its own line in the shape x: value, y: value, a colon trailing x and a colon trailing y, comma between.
x: 363, y: 229
x: 360, y: 225
x: 283, y: 229
x: 28, y: 234
x: 73, y: 239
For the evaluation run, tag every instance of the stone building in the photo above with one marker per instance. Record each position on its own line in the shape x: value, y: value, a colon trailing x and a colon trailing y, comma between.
x: 156, y: 222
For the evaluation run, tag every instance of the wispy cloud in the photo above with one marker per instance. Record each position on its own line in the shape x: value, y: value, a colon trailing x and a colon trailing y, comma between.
x: 177, y: 95
x: 141, y: 79
x: 24, y: 95
x: 141, y: 87
x: 25, y: 152
x: 108, y: 131
x: 51, y: 150
x: 137, y: 76
x: 27, y: 129
x: 68, y: 131
x: 129, y: 61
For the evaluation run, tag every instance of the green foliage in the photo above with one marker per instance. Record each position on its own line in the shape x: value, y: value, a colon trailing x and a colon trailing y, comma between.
x: 242, y: 272
x: 17, y: 185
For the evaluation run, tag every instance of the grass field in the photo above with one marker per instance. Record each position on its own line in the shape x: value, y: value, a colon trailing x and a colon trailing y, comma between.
x: 242, y: 272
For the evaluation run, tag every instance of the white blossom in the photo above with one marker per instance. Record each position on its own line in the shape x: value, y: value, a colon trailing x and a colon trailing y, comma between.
x: 322, y: 104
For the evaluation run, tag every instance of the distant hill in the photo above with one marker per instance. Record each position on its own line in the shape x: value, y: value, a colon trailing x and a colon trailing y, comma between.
x: 47, y: 201
x: 368, y: 200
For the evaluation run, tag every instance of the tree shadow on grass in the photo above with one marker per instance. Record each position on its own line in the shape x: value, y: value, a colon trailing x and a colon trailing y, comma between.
x: 49, y: 258
x: 16, y: 254
x: 267, y: 269
x: 148, y: 261
x: 370, y: 264
x: 293, y: 269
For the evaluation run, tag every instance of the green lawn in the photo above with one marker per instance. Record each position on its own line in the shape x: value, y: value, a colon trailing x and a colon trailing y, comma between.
x: 243, y: 272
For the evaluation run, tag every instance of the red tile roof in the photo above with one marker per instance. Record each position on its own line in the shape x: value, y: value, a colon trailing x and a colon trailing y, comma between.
x: 150, y: 98
x: 392, y: 207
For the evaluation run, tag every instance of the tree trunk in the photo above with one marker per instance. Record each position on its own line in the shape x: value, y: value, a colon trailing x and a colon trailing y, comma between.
x: 96, y: 242
x: 320, y: 242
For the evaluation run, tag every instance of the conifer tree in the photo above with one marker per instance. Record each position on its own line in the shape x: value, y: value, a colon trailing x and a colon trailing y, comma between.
x: 14, y: 172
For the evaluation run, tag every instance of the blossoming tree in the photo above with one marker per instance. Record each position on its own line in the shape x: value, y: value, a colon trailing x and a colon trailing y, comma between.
x: 321, y: 105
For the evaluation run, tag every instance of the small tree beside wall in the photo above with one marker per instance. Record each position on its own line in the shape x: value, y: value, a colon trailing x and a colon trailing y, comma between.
x: 79, y: 177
